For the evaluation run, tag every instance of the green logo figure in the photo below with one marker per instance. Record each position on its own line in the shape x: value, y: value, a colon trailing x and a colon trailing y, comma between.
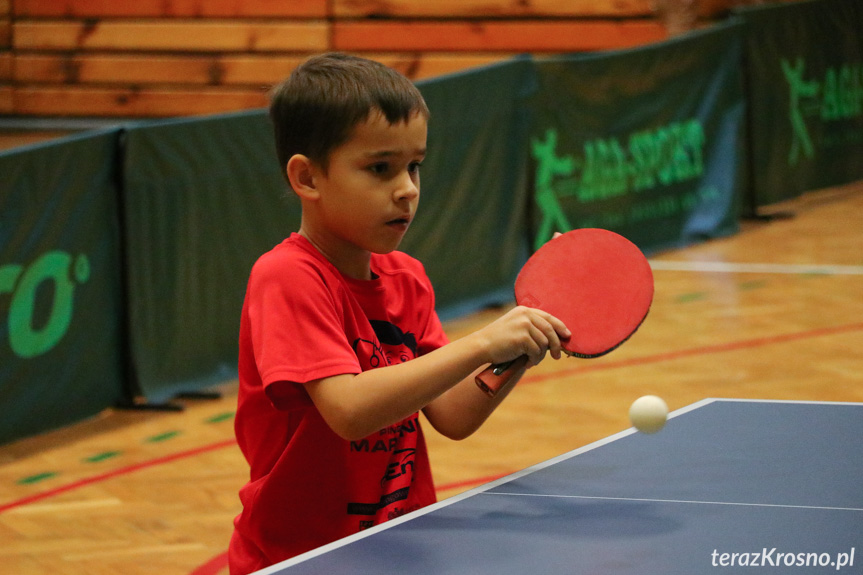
x: 833, y: 100
x: 26, y: 339
x: 800, y: 90
x: 549, y: 165
x: 613, y: 167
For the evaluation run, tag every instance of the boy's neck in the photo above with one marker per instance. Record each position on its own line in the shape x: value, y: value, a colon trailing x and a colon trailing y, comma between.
x: 354, y: 263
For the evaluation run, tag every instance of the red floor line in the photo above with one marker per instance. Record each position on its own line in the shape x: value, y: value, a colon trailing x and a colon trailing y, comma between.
x: 695, y: 351
x: 115, y: 473
x: 732, y: 346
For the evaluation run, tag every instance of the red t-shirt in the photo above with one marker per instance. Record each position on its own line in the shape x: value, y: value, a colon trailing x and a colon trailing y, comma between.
x: 301, y: 321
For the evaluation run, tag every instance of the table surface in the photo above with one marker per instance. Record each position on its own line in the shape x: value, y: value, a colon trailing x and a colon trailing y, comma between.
x: 731, y: 484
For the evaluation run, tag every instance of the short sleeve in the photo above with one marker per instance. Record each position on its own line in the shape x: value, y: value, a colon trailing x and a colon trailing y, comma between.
x: 296, y: 317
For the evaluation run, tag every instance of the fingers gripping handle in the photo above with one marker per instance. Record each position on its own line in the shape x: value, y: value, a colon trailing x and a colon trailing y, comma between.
x: 494, y: 377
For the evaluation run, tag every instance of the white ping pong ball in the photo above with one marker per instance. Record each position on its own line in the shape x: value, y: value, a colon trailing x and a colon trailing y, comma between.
x: 648, y: 413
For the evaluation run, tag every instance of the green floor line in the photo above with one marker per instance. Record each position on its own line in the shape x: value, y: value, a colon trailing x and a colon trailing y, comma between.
x: 163, y: 436
x: 37, y: 478
x: 220, y: 417
x: 102, y: 456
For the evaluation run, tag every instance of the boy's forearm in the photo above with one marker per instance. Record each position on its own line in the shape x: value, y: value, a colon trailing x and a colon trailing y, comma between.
x: 460, y: 411
x: 358, y: 405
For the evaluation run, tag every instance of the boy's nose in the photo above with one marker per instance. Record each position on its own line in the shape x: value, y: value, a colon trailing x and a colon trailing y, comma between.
x: 407, y: 188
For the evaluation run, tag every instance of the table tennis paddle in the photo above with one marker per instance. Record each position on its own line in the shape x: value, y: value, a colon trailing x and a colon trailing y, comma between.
x: 595, y: 281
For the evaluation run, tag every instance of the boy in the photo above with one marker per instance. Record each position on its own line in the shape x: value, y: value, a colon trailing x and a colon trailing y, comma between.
x: 340, y: 346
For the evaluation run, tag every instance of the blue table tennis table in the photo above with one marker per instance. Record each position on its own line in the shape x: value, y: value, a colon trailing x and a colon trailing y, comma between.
x: 729, y: 486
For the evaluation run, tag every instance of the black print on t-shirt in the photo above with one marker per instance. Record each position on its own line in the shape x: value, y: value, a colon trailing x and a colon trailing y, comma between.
x: 388, y: 438
x: 392, y: 346
x: 403, y: 464
x: 372, y: 508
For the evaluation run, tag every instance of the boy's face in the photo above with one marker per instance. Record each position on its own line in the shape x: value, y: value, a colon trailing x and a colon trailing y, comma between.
x: 370, y: 191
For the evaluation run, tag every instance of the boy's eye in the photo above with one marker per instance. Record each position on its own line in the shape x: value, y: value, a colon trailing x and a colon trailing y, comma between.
x: 384, y: 168
x: 379, y: 168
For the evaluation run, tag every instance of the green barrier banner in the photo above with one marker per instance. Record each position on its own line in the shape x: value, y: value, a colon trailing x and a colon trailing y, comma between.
x: 470, y: 230
x: 60, y: 290
x: 203, y: 198
x: 646, y: 142
x: 805, y: 82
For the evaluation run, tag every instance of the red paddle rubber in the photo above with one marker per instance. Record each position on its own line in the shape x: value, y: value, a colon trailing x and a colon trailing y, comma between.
x: 595, y: 281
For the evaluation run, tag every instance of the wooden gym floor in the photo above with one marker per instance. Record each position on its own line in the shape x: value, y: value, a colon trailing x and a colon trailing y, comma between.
x: 774, y: 312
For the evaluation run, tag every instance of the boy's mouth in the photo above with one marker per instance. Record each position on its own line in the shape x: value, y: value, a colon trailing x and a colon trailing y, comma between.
x: 399, y: 222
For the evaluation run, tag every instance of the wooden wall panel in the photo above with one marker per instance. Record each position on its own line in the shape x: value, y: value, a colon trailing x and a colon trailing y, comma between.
x: 490, y: 8
x: 66, y: 101
x: 7, y: 105
x: 5, y: 33
x: 246, y: 71
x: 168, y: 36
x: 109, y: 69
x: 494, y: 35
x: 6, y: 61
x: 187, y: 57
x: 171, y: 8
x: 5, y: 67
x: 429, y: 65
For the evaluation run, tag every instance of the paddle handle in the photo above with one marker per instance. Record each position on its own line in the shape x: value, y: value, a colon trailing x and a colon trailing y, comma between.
x: 496, y: 376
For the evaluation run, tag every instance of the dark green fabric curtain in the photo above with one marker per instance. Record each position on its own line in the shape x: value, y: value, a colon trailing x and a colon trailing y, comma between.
x: 645, y: 142
x: 805, y: 85
x: 61, y: 305
x: 203, y: 198
x: 470, y: 231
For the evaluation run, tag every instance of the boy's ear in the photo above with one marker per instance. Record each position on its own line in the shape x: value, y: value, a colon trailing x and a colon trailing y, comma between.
x: 300, y: 172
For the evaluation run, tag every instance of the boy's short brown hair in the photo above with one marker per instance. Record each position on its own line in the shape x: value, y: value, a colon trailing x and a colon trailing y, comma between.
x: 315, y: 109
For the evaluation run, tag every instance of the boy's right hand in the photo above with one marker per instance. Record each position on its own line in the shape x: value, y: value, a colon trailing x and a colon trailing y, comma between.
x: 524, y: 331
